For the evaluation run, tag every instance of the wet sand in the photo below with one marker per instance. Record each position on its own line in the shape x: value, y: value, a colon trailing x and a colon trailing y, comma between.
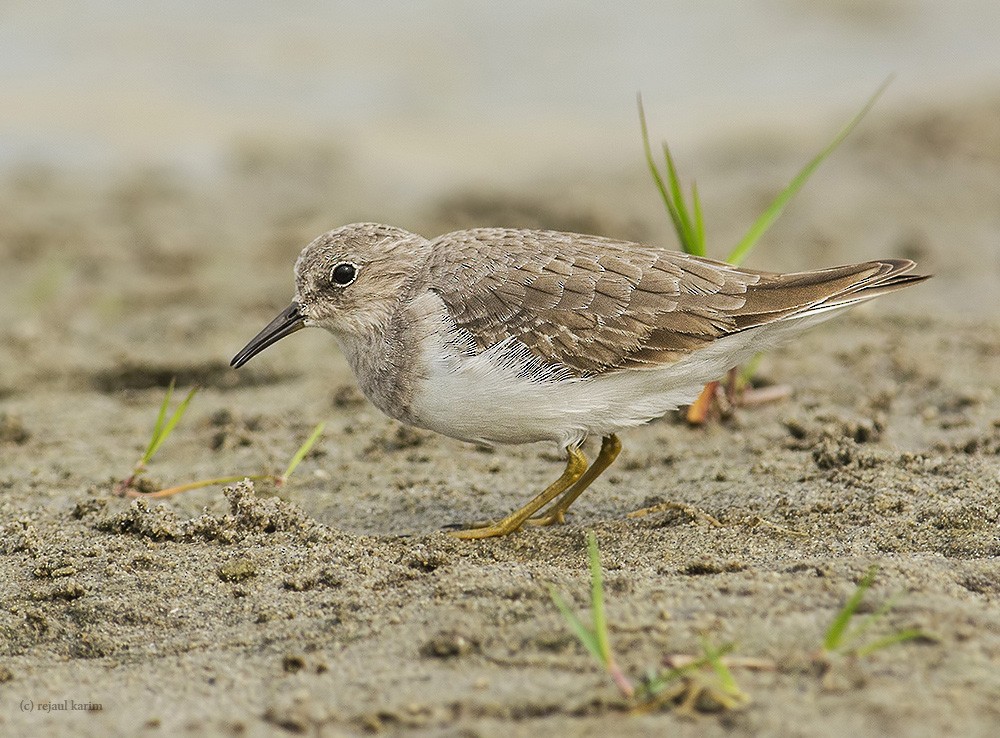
x: 336, y: 606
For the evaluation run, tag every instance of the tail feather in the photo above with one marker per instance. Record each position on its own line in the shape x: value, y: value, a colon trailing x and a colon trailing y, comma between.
x: 892, y: 276
x: 799, y: 295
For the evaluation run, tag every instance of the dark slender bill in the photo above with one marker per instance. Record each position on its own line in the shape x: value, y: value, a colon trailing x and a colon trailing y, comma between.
x: 288, y: 321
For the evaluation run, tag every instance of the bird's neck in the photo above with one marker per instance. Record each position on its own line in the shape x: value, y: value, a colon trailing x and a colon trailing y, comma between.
x: 379, y: 363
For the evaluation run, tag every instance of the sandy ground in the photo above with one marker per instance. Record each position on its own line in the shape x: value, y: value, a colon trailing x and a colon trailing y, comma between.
x: 335, y: 606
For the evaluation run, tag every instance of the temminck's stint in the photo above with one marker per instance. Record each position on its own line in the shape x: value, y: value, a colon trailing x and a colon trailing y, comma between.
x: 503, y: 336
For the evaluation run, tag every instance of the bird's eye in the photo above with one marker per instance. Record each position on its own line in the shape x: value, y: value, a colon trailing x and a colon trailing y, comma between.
x: 344, y: 273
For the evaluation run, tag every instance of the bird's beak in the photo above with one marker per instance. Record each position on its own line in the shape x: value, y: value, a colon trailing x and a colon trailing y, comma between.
x: 288, y: 321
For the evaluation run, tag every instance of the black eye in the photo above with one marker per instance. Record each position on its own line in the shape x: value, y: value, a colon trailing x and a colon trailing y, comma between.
x: 344, y: 273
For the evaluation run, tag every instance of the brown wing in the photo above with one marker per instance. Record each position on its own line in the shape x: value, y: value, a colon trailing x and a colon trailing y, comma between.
x: 594, y: 305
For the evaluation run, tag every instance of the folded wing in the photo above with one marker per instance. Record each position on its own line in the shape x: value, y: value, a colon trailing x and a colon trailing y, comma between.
x: 590, y: 305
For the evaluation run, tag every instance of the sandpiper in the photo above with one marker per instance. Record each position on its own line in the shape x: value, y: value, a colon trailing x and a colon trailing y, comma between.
x: 501, y: 336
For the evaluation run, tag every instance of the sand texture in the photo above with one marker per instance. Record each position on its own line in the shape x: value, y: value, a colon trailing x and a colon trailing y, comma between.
x: 335, y: 606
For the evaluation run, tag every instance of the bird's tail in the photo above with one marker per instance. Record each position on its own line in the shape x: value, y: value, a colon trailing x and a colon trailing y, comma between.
x: 780, y: 297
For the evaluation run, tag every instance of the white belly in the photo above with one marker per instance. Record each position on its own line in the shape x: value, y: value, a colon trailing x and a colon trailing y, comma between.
x: 506, y: 396
x: 476, y: 399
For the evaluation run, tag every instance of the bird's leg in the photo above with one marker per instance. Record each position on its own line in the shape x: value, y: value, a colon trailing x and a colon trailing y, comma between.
x: 576, y: 465
x: 719, y: 399
x: 610, y: 447
x: 698, y: 411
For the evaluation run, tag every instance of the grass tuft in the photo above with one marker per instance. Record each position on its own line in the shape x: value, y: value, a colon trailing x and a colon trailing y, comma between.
x: 705, y: 683
x: 164, y: 426
x: 702, y: 684
x: 688, y: 220
x: 841, y: 639
x: 595, y: 637
x: 689, y: 223
x: 684, y: 686
x: 690, y: 228
x: 162, y: 429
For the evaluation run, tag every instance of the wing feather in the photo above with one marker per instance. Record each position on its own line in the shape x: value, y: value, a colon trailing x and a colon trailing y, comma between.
x: 588, y: 305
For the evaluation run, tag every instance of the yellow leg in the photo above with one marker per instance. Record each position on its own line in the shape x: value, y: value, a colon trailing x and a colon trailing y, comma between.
x: 610, y: 447
x: 576, y: 465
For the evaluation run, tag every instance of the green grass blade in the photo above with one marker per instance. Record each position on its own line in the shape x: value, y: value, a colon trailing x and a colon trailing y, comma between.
x: 909, y: 634
x: 658, y: 682
x: 854, y: 634
x: 588, y: 639
x: 597, y: 600
x: 655, y: 173
x: 303, y: 450
x: 767, y: 218
x: 699, y: 220
x: 749, y: 371
x: 175, y: 418
x: 714, y: 656
x: 685, y: 231
x: 158, y: 428
x: 711, y: 656
x: 834, y: 638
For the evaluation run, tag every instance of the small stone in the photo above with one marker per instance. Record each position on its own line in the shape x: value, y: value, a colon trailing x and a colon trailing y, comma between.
x: 12, y: 430
x: 237, y: 570
x: 449, y: 646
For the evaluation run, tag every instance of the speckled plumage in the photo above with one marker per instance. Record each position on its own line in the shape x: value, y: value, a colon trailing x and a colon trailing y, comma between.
x: 515, y: 336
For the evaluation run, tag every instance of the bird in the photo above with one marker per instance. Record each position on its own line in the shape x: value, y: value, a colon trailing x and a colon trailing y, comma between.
x: 503, y: 336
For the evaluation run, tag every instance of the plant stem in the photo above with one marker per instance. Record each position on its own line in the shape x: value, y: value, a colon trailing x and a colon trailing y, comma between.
x: 169, y: 491
x: 771, y: 213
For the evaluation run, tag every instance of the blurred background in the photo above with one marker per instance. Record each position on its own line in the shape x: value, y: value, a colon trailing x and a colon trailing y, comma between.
x: 431, y: 94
